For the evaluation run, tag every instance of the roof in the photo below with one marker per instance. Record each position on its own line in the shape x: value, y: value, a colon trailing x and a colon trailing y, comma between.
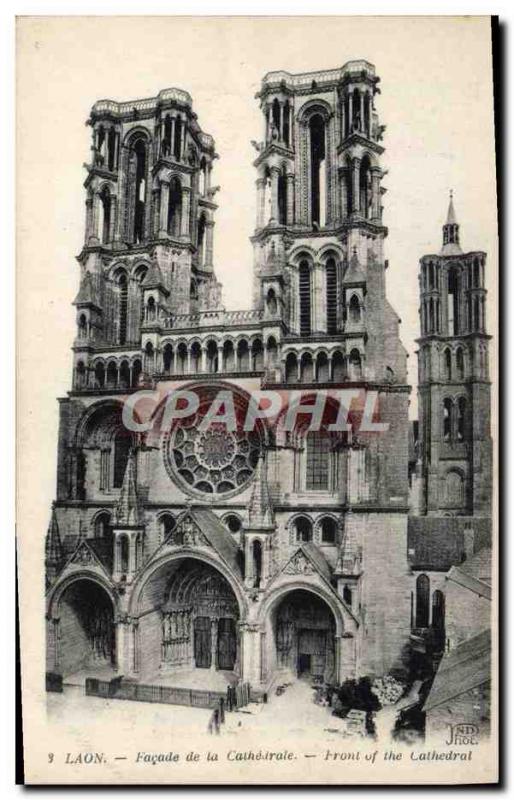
x: 459, y: 576
x: 315, y: 555
x: 86, y: 293
x: 437, y: 543
x: 354, y: 273
x: 217, y: 535
x: 451, y: 218
x: 154, y: 278
x: 465, y: 667
x: 480, y: 565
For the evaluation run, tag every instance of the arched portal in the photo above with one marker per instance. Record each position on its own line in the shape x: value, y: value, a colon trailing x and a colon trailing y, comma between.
x: 188, y: 620
x: 84, y: 637
x: 302, y: 637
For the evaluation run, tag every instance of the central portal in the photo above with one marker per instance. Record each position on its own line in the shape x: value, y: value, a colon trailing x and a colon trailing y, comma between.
x: 199, y: 619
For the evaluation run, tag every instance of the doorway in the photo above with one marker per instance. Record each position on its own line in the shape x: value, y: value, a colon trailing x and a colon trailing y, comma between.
x: 203, y: 642
x: 227, y: 643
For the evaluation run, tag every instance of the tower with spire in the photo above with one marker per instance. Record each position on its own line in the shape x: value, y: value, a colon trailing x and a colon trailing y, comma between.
x: 453, y: 379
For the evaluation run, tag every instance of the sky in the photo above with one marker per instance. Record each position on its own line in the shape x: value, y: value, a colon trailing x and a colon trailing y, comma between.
x: 436, y: 101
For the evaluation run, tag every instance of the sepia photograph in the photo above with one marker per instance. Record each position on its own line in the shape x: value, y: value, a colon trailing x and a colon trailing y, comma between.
x: 257, y: 311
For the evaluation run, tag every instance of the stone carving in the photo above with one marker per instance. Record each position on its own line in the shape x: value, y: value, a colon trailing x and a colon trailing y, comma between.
x: 83, y: 556
x: 299, y: 565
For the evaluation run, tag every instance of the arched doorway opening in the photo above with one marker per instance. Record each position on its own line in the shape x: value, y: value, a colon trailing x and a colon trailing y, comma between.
x: 303, y: 637
x: 86, y: 634
x: 189, y: 621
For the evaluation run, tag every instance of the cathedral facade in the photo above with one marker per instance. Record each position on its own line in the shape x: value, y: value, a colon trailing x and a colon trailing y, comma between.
x: 271, y: 551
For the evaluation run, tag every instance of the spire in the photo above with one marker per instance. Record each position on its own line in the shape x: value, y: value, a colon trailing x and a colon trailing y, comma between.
x: 451, y: 218
x: 260, y: 509
x: 451, y: 246
x: 53, y: 548
x: 128, y: 511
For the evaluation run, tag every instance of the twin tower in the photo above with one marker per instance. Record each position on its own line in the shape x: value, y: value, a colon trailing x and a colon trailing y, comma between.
x: 320, y: 314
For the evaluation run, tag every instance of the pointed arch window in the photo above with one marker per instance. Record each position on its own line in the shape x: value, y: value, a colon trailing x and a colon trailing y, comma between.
x: 459, y: 363
x: 365, y: 188
x: 453, y: 302
x: 257, y: 562
x: 331, y: 289
x: 122, y: 445
x: 201, y: 240
x: 168, y: 359
x: 317, y: 171
x: 174, y: 207
x: 122, y: 282
x: 177, y: 147
x: 82, y: 327
x: 105, y: 215
x: 447, y: 419
x: 139, y: 155
x: 422, y: 601
x: 354, y: 310
x: 304, y: 285
x: 461, y: 419
x: 282, y: 197
x: 447, y: 361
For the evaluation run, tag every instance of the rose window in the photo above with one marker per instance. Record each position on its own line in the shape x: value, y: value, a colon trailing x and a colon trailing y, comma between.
x: 214, y: 461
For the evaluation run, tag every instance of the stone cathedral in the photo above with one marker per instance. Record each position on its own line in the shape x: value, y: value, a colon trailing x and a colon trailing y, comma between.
x: 251, y: 555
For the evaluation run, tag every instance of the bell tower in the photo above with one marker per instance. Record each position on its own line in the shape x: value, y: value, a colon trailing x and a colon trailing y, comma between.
x: 319, y: 210
x: 454, y: 385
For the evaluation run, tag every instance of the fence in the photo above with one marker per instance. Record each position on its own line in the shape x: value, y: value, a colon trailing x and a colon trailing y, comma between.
x: 119, y: 689
x: 235, y: 697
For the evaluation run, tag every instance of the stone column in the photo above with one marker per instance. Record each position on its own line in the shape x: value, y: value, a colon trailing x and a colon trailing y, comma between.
x: 249, y: 571
x: 344, y: 193
x: 89, y: 219
x: 281, y: 121
x: 184, y: 226
x: 203, y: 362
x: 259, y: 221
x: 350, y: 112
x: 117, y: 150
x: 362, y: 112
x: 356, y: 164
x: 375, y: 194
x: 209, y: 235
x: 214, y: 644
x: 55, y: 633
x: 163, y: 211
x: 275, y: 172
x: 172, y: 136
x: 290, y: 199
x: 93, y: 237
x: 112, y: 221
